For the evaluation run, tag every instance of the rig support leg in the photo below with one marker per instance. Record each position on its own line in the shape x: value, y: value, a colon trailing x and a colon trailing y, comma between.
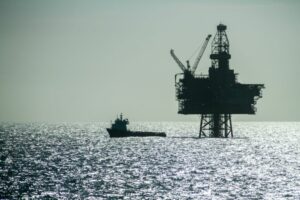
x: 204, y: 123
x: 201, y: 122
x: 226, y: 125
x: 215, y: 125
x: 230, y: 126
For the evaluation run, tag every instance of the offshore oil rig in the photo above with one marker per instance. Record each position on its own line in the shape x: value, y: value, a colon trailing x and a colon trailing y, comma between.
x: 215, y: 96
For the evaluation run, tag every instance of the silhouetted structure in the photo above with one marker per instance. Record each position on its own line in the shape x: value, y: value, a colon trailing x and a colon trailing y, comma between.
x: 217, y: 95
x: 119, y: 129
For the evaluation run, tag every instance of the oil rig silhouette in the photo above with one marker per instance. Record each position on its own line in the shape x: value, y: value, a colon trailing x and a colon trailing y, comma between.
x: 215, y: 96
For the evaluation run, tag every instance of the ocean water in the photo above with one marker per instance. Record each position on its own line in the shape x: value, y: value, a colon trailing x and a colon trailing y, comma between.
x: 80, y: 161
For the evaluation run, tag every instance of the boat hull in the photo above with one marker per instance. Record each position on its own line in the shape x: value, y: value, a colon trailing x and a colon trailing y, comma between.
x: 120, y: 133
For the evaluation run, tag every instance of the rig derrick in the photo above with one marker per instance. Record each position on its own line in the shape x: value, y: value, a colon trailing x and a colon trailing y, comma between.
x: 218, y: 95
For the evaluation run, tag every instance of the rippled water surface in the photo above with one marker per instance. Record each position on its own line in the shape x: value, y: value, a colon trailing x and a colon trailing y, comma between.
x: 66, y: 161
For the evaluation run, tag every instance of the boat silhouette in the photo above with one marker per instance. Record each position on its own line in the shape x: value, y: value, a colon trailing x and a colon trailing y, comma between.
x: 119, y: 129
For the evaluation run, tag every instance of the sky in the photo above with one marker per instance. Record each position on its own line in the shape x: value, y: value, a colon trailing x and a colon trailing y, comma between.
x: 87, y: 61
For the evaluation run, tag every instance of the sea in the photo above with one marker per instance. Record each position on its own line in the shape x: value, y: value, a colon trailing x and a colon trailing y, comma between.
x: 80, y: 161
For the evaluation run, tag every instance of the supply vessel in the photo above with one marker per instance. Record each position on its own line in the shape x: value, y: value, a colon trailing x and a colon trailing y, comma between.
x: 119, y: 129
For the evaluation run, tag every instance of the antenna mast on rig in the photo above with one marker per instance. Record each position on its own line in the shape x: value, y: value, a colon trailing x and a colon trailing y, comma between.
x: 218, y: 95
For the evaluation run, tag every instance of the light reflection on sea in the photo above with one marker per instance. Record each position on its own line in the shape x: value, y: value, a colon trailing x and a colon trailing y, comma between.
x: 66, y: 161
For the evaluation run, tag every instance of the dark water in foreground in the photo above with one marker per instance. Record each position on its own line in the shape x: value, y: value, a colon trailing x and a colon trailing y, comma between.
x: 80, y: 161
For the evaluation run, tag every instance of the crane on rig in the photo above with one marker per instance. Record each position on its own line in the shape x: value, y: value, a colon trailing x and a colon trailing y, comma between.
x: 217, y: 95
x: 188, y: 69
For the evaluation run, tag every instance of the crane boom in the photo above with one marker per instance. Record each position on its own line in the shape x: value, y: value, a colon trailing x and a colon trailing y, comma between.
x: 200, y: 54
x: 182, y: 67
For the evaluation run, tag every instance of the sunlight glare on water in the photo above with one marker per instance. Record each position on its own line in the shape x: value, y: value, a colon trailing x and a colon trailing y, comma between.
x: 66, y: 161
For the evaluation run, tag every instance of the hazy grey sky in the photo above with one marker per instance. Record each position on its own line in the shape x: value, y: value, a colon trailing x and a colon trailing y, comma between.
x: 89, y: 60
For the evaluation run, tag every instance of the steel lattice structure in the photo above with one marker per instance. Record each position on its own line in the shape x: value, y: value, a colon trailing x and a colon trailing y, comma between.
x: 218, y: 95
